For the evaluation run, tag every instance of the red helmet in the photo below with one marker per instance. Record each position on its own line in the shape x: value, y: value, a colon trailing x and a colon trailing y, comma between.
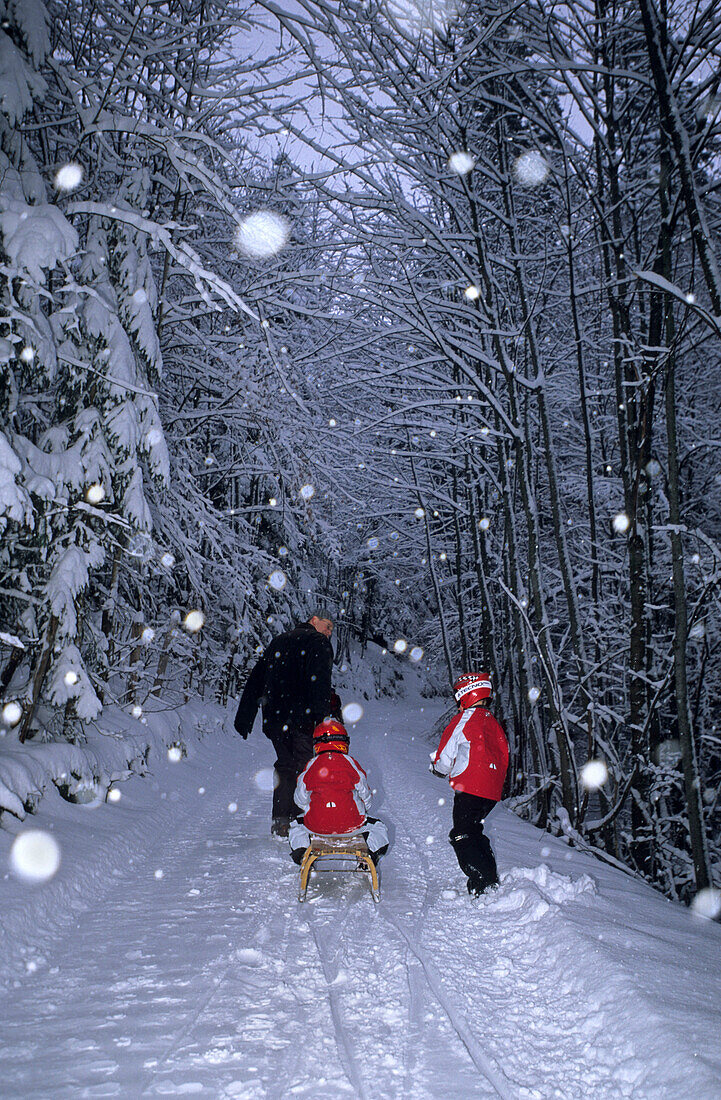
x: 330, y: 735
x: 470, y: 689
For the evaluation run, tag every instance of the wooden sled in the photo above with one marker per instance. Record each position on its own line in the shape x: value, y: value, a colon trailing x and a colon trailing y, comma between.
x: 338, y: 854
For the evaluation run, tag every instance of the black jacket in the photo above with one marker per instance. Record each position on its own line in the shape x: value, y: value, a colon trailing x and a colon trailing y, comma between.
x: 292, y: 681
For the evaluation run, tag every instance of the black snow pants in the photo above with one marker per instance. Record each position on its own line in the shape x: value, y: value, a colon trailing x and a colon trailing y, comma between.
x: 293, y: 748
x: 469, y: 842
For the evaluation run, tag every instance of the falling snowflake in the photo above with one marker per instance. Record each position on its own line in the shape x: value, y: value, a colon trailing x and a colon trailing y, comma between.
x: 277, y: 580
x: 472, y: 293
x: 461, y: 163
x: 307, y: 491
x: 175, y: 753
x: 484, y: 523
x: 653, y: 468
x: 193, y: 621
x: 94, y: 494
x: 594, y: 774
x: 159, y: 873
x: 707, y: 903
x: 282, y: 551
x: 11, y: 714
x: 430, y: 840
x: 530, y: 168
x: 332, y: 422
x: 372, y: 544
x: 533, y: 694
x: 140, y: 297
x: 423, y: 16
x: 265, y: 779
x: 416, y: 653
x: 137, y: 711
x: 400, y: 646
x: 352, y: 713
x: 35, y: 855
x: 70, y: 677
x: 621, y: 523
x: 262, y: 234
x: 69, y: 177
x: 167, y: 561
x: 232, y: 807
x: 147, y: 636
x: 419, y: 513
x: 114, y: 795
x: 27, y: 354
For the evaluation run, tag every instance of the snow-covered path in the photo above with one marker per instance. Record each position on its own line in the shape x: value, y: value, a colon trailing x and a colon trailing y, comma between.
x: 210, y: 979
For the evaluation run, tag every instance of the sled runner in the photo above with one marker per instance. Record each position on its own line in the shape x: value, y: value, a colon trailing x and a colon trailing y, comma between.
x: 329, y: 854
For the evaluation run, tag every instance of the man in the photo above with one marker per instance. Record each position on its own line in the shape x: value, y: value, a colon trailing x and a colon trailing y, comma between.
x: 292, y: 683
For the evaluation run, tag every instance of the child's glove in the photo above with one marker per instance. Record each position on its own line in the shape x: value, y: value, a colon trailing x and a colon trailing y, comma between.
x: 432, y: 767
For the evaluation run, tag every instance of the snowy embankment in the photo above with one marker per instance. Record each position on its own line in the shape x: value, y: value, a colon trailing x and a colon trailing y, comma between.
x: 116, y: 747
x: 169, y: 955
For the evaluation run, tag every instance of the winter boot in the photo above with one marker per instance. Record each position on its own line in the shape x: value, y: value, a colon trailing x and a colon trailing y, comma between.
x: 375, y: 856
x: 475, y: 858
x: 280, y: 826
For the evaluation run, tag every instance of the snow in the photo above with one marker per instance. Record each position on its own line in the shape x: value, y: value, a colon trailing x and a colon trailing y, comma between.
x: 530, y: 168
x: 69, y: 177
x: 36, y: 238
x: 262, y: 234
x: 18, y: 83
x: 168, y: 955
x: 15, y: 504
x: 461, y: 163
x: 193, y: 621
x: 594, y: 774
x: 35, y: 855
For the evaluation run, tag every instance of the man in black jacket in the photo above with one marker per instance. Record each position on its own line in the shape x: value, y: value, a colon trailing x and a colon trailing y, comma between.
x: 292, y: 683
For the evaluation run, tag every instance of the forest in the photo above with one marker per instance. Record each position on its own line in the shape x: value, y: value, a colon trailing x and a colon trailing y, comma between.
x: 406, y: 309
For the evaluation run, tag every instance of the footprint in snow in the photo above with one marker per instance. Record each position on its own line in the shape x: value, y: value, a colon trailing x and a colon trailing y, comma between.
x: 248, y: 956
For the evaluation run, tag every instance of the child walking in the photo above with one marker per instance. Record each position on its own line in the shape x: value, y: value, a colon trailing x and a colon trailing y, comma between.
x: 473, y: 753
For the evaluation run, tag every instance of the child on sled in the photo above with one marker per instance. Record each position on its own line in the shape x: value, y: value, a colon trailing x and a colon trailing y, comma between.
x: 333, y: 796
x: 473, y: 753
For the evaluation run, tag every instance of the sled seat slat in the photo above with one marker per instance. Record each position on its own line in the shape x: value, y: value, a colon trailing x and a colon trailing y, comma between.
x: 338, y: 850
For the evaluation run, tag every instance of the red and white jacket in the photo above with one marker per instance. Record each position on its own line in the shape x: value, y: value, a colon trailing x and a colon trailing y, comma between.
x: 333, y: 794
x: 473, y: 753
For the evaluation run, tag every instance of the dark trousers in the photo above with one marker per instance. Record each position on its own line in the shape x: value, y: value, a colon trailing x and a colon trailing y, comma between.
x: 293, y: 749
x: 469, y: 842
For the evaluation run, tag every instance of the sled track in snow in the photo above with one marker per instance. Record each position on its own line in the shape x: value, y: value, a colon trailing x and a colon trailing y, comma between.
x: 495, y: 1077
x: 343, y: 1042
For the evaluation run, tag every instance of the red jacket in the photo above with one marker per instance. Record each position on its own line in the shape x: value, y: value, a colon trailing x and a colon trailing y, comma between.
x: 473, y: 753
x: 333, y: 794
